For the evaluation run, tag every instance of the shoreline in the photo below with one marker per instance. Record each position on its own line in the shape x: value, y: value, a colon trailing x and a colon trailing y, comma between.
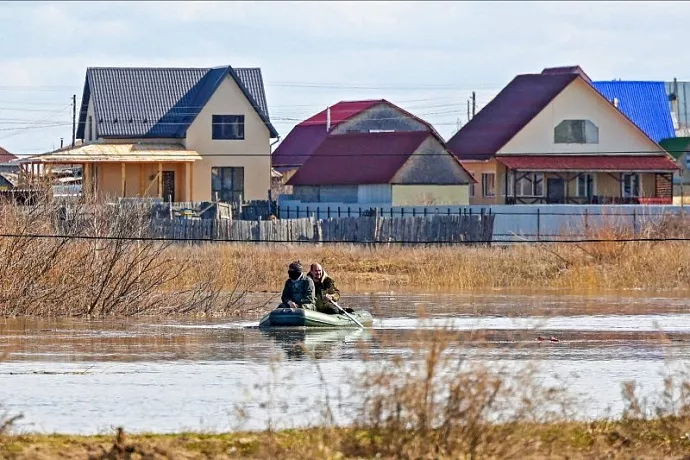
x: 652, y: 438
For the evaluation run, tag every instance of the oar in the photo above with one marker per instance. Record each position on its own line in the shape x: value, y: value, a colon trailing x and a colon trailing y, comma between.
x: 347, y: 314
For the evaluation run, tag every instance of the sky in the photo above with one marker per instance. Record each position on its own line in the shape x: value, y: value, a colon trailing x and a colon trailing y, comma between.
x: 426, y: 57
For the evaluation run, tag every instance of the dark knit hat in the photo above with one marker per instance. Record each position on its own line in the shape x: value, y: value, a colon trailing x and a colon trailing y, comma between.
x: 295, y: 267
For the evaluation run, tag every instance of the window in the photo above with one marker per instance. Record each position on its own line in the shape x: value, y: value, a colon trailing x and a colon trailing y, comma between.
x: 576, y: 132
x: 90, y: 137
x: 585, y: 185
x: 228, y: 183
x: 527, y: 185
x: 631, y: 186
x: 489, y: 184
x: 227, y: 127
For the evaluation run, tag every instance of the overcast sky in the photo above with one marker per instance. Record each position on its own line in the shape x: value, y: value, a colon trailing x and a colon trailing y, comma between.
x: 424, y: 56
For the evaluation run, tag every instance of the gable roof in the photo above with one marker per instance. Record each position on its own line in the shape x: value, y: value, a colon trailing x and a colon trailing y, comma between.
x: 362, y: 158
x: 358, y: 158
x: 502, y: 118
x: 308, y: 135
x: 645, y: 103
x: 6, y: 156
x: 150, y: 102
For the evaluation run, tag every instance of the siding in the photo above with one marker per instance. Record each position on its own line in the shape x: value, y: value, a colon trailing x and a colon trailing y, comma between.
x: 374, y: 193
x: 380, y: 117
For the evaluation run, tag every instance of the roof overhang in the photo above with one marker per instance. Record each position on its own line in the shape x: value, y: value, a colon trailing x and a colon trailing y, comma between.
x: 589, y: 163
x: 119, y: 153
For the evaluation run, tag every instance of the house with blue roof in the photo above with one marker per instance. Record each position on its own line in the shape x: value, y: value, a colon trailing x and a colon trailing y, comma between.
x: 180, y: 134
x: 645, y: 103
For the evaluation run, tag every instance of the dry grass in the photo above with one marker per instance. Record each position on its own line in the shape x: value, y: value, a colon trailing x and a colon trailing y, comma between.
x: 119, y: 275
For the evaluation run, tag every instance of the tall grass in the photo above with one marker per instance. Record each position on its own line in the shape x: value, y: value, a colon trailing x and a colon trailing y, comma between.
x: 95, y: 268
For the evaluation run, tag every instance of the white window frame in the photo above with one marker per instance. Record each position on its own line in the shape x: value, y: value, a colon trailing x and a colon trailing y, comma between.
x: 638, y: 179
x: 530, y: 178
x: 485, y: 177
x: 594, y: 185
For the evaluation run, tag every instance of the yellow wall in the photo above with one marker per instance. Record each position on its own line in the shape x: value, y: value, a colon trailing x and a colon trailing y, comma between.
x: 477, y: 168
x: 253, y: 153
x: 137, y: 179
x: 430, y: 195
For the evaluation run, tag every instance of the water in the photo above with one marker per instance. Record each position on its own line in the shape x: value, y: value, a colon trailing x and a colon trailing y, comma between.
x: 76, y: 376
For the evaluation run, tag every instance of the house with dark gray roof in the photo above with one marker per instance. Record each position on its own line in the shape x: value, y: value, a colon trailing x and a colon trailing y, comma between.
x: 555, y: 137
x: 180, y: 134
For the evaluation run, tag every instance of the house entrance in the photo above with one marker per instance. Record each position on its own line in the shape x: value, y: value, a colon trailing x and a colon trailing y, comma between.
x: 169, y: 186
x: 555, y: 190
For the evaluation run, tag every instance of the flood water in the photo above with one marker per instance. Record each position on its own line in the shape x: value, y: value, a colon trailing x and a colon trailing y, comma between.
x: 162, y: 375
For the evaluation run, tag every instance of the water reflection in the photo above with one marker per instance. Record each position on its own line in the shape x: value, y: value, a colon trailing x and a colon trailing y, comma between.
x: 83, y: 376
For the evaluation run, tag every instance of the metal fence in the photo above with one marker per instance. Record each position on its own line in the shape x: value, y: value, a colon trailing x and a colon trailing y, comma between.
x: 515, y: 222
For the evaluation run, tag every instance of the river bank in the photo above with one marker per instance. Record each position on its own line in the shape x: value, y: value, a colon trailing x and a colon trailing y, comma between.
x: 660, y: 438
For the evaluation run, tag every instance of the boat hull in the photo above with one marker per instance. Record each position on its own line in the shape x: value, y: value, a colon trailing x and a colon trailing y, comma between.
x: 299, y: 317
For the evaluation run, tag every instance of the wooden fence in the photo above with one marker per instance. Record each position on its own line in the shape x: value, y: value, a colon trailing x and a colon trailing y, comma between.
x: 369, y: 229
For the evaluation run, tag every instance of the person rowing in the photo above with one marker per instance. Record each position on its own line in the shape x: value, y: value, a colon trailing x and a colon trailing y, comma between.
x: 298, y: 291
x: 326, y: 292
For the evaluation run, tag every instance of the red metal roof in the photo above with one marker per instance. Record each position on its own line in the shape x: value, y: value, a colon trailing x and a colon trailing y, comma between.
x: 589, y: 162
x: 502, y: 118
x: 340, y: 112
x: 359, y: 158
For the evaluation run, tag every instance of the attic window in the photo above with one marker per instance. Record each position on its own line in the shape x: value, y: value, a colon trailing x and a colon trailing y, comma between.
x: 576, y: 132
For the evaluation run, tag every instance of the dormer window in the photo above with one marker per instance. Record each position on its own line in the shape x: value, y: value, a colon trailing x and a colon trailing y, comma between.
x: 227, y: 127
x: 576, y: 132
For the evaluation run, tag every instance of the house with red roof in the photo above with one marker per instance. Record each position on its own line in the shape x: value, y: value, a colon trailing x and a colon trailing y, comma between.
x: 552, y: 137
x: 370, y: 152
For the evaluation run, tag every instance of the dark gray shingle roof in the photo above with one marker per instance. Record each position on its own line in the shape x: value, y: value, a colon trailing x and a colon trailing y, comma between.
x: 160, y: 102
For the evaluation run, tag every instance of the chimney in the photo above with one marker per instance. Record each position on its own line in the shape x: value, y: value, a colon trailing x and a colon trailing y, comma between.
x: 328, y: 119
x: 61, y: 141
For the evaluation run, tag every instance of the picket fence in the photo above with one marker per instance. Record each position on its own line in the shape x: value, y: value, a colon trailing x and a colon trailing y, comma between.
x: 366, y: 229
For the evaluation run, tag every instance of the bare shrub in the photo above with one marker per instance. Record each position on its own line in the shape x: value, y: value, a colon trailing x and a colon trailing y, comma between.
x: 94, y: 259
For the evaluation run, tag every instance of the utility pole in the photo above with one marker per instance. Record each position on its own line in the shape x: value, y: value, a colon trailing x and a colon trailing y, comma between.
x: 74, y: 119
x: 474, y: 104
x: 468, y: 110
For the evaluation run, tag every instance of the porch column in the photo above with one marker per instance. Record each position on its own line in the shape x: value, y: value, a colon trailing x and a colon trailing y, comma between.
x: 123, y: 175
x: 188, y: 182
x: 191, y: 183
x: 141, y: 179
x: 160, y: 180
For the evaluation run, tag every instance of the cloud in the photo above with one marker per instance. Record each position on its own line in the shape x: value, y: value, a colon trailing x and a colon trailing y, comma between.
x: 438, y: 51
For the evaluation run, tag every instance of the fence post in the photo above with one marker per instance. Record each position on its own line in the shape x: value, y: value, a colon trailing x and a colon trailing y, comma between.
x: 424, y: 211
x: 298, y: 212
x: 307, y: 212
x: 348, y: 211
x: 413, y: 212
x: 360, y: 211
x: 538, y: 224
x: 338, y: 211
x: 586, y: 221
x: 634, y: 221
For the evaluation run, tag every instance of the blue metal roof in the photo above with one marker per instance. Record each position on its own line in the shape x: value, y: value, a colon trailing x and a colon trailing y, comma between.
x: 644, y: 102
x: 160, y: 102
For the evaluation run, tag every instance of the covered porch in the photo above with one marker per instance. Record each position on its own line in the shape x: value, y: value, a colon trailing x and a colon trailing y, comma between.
x: 163, y: 171
x: 587, y: 179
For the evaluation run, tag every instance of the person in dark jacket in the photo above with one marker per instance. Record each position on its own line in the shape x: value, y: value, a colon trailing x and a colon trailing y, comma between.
x: 298, y: 291
x: 325, y: 290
